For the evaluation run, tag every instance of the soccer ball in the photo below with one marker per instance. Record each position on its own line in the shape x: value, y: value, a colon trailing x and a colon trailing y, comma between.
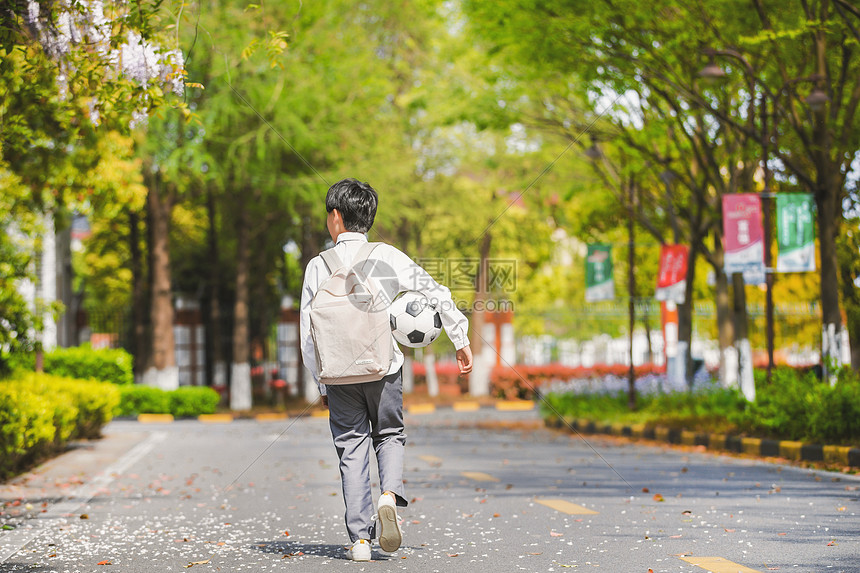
x: 414, y: 321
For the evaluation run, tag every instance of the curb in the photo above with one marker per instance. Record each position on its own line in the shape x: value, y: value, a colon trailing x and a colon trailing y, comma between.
x: 759, y: 447
x: 155, y: 418
x: 419, y: 408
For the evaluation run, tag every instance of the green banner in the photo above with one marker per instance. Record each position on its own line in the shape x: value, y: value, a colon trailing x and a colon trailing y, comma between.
x: 598, y: 273
x: 795, y: 233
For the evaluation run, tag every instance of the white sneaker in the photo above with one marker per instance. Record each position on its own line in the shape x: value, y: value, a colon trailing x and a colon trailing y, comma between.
x: 390, y: 535
x: 360, y: 550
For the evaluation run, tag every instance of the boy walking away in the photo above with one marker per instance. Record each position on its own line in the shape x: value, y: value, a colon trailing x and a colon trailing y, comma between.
x: 356, y: 362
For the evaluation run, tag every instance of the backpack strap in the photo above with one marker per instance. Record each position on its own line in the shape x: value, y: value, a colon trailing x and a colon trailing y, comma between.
x: 363, y: 257
x: 331, y: 260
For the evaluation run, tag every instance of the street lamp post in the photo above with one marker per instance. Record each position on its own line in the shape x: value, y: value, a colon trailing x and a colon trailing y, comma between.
x: 767, y: 197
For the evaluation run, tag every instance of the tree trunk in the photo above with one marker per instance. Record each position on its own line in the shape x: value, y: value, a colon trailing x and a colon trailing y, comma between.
x: 479, y: 378
x: 66, y: 322
x: 646, y: 323
x: 216, y: 369
x: 828, y: 197
x: 685, y: 321
x: 138, y: 296
x: 850, y: 299
x: 240, y: 372
x: 163, y: 372
x: 742, y: 342
x: 408, y: 373
x: 725, y: 326
x: 631, y: 292
x: 833, y: 347
x: 47, y: 294
x: 259, y: 317
x: 430, y: 371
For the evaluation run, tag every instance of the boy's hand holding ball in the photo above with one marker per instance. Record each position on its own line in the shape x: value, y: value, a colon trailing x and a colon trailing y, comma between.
x: 464, y: 359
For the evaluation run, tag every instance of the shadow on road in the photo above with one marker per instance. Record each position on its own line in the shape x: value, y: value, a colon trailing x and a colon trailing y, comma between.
x: 297, y: 549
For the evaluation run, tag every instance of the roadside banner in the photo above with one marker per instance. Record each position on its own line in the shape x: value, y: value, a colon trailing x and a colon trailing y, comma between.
x: 672, y: 277
x: 795, y: 233
x: 743, y: 236
x: 599, y: 284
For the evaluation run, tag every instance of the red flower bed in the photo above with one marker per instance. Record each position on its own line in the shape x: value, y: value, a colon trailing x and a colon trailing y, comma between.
x: 520, y: 382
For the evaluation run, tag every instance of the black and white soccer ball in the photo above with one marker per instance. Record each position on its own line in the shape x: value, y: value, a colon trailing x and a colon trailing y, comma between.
x: 415, y: 322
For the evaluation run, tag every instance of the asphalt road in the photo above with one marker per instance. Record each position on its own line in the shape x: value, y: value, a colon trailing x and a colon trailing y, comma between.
x: 490, y: 492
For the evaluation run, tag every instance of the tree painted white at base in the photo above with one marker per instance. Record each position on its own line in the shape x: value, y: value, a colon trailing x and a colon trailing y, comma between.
x: 430, y: 374
x: 47, y: 290
x: 311, y: 390
x: 835, y: 347
x: 729, y: 367
x: 745, y: 369
x: 166, y: 378
x: 482, y: 365
x: 676, y: 367
x: 41, y: 292
x: 240, y: 386
x: 483, y: 362
x: 219, y: 374
x: 408, y: 374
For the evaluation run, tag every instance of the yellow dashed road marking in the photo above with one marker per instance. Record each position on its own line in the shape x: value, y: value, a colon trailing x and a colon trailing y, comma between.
x: 466, y: 407
x: 422, y: 409
x: 432, y: 460
x: 319, y: 414
x: 718, y: 565
x: 479, y: 476
x: 566, y: 507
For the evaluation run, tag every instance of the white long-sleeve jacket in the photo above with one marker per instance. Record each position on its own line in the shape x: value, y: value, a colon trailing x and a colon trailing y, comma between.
x: 395, y: 272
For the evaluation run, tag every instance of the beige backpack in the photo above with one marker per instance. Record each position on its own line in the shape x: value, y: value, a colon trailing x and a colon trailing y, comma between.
x: 349, y: 322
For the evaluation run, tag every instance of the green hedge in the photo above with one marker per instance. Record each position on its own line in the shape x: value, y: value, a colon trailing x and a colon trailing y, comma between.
x: 193, y: 401
x: 136, y: 400
x: 799, y: 406
x: 39, y: 413
x: 183, y: 402
x: 83, y: 363
x: 794, y: 406
x: 27, y: 428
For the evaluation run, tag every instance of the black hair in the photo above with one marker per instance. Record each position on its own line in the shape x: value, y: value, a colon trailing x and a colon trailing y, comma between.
x: 356, y: 202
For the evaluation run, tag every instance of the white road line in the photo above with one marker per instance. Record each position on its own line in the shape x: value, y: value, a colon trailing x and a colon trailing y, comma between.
x: 11, y: 542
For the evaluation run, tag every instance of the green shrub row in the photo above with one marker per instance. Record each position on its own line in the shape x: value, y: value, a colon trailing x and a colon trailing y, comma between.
x: 83, y: 363
x: 182, y: 403
x: 793, y: 406
x: 39, y: 413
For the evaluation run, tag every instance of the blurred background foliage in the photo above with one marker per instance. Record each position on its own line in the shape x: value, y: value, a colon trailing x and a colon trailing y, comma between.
x: 477, y: 122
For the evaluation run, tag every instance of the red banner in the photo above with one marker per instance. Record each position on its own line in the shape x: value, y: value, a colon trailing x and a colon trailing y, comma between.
x: 672, y: 278
x: 743, y: 235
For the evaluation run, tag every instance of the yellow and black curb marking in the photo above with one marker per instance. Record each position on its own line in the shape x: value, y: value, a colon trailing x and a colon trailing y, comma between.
x: 760, y: 447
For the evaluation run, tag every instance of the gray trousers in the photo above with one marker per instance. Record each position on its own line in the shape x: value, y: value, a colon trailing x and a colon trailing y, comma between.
x: 361, y: 415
